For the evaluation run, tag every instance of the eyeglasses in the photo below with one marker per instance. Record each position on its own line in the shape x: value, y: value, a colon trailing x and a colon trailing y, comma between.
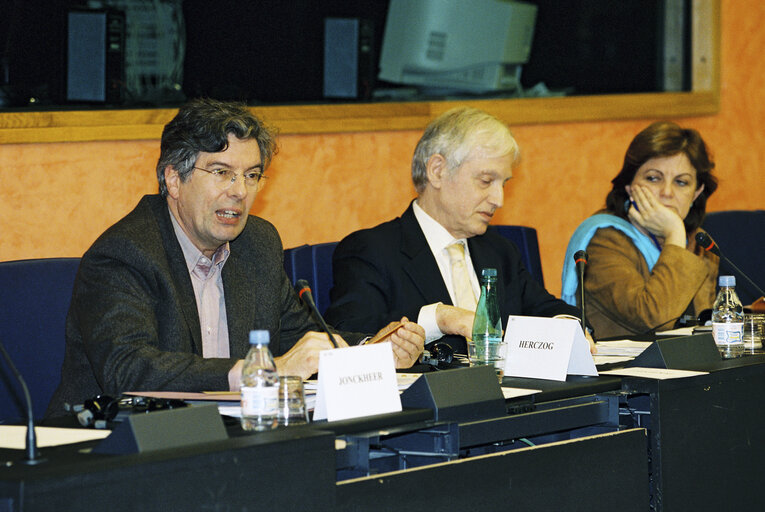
x: 224, y: 178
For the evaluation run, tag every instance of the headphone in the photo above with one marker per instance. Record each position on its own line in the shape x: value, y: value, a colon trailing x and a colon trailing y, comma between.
x: 439, y: 355
x: 98, y: 411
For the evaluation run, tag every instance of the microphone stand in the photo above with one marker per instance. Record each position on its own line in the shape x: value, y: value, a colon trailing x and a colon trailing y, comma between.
x: 708, y: 244
x: 580, y: 259
x: 32, y: 453
x: 305, y: 290
x: 742, y: 274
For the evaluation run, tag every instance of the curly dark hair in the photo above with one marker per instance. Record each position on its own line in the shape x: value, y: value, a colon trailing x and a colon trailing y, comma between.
x: 204, y: 125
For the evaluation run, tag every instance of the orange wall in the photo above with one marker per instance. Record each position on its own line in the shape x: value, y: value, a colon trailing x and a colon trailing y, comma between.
x: 57, y: 198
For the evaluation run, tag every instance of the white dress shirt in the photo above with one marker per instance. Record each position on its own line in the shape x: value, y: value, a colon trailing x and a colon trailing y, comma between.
x: 439, y: 239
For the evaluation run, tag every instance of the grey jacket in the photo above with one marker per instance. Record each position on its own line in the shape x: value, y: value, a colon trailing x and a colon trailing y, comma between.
x: 133, y: 323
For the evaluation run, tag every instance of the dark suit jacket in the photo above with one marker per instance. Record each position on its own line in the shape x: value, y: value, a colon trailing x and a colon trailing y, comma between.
x: 133, y: 323
x: 386, y: 272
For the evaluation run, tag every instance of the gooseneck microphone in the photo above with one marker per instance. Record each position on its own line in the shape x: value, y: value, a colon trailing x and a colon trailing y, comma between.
x: 304, y: 292
x: 580, y: 259
x: 32, y: 453
x: 706, y: 242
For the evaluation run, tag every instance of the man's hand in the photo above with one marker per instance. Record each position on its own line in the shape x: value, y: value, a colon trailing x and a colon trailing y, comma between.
x: 408, y: 342
x: 303, y: 358
x: 454, y: 320
x: 593, y: 348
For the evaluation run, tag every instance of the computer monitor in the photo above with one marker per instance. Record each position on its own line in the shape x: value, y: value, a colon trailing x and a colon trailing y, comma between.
x: 455, y: 45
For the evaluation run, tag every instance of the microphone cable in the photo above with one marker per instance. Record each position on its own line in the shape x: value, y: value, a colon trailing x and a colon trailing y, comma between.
x: 304, y: 292
x: 708, y: 244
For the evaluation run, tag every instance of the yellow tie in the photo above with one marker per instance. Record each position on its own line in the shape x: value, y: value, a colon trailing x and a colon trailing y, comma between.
x: 463, y: 290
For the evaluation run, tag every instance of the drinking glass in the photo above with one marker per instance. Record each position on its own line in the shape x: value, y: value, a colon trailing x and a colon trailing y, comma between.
x: 292, y: 410
x: 753, y: 331
x: 488, y: 353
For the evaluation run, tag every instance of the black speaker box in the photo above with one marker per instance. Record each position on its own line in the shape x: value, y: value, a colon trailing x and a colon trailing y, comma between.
x: 349, y: 64
x: 462, y: 394
x: 95, y: 56
x: 696, y: 352
x: 160, y: 430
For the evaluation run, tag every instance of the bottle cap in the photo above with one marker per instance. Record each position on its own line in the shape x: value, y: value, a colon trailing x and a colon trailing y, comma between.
x: 726, y: 280
x: 489, y: 272
x: 259, y: 337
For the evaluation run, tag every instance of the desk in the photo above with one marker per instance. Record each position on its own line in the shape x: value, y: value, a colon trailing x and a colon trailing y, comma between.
x: 707, y: 436
x: 705, y: 441
x: 605, y: 472
x: 280, y: 470
x: 296, y: 468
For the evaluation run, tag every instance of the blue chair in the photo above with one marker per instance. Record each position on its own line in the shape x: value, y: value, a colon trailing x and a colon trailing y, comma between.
x: 526, y: 240
x: 321, y: 257
x: 740, y: 234
x: 314, y: 264
x: 298, y: 264
x: 34, y: 301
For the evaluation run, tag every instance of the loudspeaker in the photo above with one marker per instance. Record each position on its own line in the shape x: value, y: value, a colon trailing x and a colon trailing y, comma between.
x: 462, y: 394
x: 695, y: 352
x: 349, y: 64
x: 95, y: 63
x: 160, y: 430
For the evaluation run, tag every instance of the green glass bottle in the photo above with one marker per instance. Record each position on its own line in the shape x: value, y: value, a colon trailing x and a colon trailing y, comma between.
x: 486, y: 347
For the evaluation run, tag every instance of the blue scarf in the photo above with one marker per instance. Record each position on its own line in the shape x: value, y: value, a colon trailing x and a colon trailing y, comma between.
x: 581, y: 239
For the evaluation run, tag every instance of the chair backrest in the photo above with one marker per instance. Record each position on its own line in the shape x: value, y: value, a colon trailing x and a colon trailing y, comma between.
x: 34, y: 300
x: 740, y: 234
x: 298, y: 264
x: 321, y: 256
x: 526, y: 240
x: 314, y: 264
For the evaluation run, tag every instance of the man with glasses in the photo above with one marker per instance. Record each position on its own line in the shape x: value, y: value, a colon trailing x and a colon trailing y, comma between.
x: 165, y: 298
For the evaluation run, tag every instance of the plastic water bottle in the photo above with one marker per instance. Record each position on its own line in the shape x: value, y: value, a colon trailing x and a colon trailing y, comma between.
x: 728, y: 319
x: 260, y: 385
x: 486, y: 346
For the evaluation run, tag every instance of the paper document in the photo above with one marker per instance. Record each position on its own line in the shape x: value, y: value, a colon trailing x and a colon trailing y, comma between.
x: 211, y: 396
x: 625, y: 348
x: 653, y: 373
x: 682, y: 331
x: 601, y: 360
x: 509, y: 392
x: 14, y: 436
x: 235, y: 411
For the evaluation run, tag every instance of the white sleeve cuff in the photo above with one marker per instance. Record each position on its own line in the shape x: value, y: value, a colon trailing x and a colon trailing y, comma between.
x: 427, y: 319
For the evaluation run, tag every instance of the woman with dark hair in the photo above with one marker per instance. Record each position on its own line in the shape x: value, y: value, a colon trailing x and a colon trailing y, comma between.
x: 645, y: 271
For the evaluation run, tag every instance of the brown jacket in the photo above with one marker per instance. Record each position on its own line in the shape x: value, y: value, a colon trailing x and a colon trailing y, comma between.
x: 624, y: 297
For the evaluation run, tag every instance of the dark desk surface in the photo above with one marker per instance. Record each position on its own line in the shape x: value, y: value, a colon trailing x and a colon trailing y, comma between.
x: 302, y: 459
x: 574, y: 385
x: 281, y: 470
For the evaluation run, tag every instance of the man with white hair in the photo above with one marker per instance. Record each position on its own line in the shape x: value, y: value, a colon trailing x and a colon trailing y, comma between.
x: 425, y: 264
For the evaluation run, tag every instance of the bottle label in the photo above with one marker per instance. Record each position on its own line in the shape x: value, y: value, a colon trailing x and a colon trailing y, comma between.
x: 260, y: 401
x: 728, y: 333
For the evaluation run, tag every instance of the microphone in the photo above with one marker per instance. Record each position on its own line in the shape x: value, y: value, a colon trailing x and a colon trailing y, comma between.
x: 304, y: 292
x: 580, y: 259
x: 706, y: 242
x: 32, y: 453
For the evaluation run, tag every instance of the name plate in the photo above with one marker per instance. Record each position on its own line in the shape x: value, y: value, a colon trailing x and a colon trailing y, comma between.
x: 356, y: 381
x: 547, y: 348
